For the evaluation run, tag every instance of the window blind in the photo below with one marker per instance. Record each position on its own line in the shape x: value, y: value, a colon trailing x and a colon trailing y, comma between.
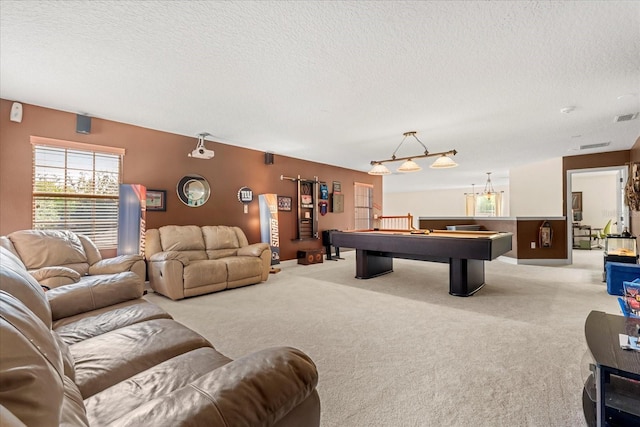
x: 77, y: 190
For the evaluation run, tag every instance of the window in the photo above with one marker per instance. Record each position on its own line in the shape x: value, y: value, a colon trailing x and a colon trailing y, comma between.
x: 364, y: 206
x: 75, y: 187
x: 484, y: 204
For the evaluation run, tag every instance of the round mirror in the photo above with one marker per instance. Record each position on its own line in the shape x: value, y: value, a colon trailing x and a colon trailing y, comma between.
x: 193, y: 190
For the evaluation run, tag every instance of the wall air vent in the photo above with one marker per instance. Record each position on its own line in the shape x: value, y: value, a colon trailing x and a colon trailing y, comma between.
x: 598, y: 145
x: 626, y: 117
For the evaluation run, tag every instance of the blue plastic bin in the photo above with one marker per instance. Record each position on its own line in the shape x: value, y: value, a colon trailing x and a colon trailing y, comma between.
x: 618, y: 272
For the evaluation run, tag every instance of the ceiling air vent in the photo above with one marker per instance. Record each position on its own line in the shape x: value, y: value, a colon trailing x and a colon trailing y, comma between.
x: 598, y: 145
x: 626, y: 117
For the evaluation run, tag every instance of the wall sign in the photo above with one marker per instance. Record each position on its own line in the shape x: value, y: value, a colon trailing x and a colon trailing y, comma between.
x: 245, y: 196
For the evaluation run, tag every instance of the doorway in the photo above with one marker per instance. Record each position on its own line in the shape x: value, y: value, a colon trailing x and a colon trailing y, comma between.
x: 595, y: 196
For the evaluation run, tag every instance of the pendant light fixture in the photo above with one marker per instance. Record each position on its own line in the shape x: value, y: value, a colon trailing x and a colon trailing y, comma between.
x: 443, y: 161
x: 488, y: 187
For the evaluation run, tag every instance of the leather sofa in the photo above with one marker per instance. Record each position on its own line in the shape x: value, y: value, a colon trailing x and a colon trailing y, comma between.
x: 61, y: 257
x: 189, y: 260
x: 99, y: 354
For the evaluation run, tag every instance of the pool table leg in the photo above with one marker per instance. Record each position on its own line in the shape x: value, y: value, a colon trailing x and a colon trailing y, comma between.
x: 369, y: 265
x: 466, y: 276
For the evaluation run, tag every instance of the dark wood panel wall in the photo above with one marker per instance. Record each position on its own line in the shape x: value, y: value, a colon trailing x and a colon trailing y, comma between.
x: 159, y: 160
x: 524, y: 232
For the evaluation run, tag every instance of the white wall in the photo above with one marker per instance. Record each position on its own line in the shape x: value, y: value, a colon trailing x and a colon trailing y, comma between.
x: 433, y: 203
x: 599, y: 197
x: 536, y: 189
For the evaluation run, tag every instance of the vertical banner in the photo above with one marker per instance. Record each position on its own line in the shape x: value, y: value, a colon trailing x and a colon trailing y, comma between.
x: 132, y: 206
x: 269, y: 232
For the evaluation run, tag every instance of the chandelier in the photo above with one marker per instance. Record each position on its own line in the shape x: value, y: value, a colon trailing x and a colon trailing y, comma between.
x: 443, y: 160
x: 488, y: 187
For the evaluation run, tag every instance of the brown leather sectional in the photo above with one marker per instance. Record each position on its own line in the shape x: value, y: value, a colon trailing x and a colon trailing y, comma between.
x: 97, y: 353
x: 61, y: 257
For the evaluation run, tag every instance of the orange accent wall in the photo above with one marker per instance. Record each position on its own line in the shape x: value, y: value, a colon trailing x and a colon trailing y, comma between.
x: 158, y: 160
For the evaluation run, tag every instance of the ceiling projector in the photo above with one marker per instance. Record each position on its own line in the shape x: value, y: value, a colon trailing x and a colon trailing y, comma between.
x: 201, y: 152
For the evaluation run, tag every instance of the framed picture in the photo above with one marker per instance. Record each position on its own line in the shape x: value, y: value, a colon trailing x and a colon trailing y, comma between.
x: 576, y: 200
x: 156, y: 200
x: 284, y: 203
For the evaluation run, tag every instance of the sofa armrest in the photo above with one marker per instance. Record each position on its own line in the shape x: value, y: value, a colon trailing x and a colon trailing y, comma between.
x: 255, y: 249
x: 55, y: 276
x: 93, y: 293
x: 170, y: 255
x: 113, y: 265
x: 255, y: 390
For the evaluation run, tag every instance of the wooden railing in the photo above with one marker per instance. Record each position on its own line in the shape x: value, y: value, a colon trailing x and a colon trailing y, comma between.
x: 396, y: 222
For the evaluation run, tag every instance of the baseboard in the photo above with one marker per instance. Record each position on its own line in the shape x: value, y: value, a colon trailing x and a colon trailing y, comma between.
x: 543, y: 261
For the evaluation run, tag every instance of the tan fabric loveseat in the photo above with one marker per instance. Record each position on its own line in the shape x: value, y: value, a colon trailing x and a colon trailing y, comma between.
x: 99, y: 355
x: 189, y: 260
x: 61, y: 257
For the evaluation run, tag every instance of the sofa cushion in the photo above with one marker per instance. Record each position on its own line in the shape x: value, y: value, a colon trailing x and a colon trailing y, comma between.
x: 40, y: 248
x: 220, y: 237
x: 90, y: 249
x: 68, y: 364
x: 94, y: 292
x: 53, y: 272
x: 241, y: 267
x: 181, y: 238
x: 90, y: 324
x: 5, y: 243
x: 73, y: 409
x: 117, y: 401
x: 31, y: 365
x: 221, y: 253
x: 15, y: 280
x: 207, y: 272
x: 256, y: 390
x: 112, y: 357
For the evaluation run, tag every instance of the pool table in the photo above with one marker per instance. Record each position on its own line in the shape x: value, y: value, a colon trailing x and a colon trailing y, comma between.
x: 464, y: 251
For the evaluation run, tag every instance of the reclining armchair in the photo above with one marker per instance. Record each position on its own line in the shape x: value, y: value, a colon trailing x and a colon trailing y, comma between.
x: 60, y: 257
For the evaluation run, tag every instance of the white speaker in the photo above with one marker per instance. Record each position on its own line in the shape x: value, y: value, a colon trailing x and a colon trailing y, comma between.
x: 16, y: 112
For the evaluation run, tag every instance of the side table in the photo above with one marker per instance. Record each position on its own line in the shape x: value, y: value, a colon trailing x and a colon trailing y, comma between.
x: 614, y: 385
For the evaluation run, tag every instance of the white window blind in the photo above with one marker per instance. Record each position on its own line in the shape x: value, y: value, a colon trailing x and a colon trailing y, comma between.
x: 364, y: 206
x: 77, y: 189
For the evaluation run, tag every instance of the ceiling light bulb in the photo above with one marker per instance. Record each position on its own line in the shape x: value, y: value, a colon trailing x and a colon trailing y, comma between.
x: 409, y: 166
x: 443, y: 162
x: 379, y: 169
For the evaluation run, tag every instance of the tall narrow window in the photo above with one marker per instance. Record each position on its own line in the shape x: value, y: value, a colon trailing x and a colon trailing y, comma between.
x: 484, y: 205
x: 75, y: 187
x: 364, y: 206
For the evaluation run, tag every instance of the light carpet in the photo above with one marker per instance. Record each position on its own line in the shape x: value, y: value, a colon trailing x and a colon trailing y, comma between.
x: 398, y: 350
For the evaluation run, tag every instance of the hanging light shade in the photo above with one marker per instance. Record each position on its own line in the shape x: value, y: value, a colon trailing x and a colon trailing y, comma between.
x: 379, y: 169
x: 409, y: 166
x: 443, y: 162
x: 488, y: 187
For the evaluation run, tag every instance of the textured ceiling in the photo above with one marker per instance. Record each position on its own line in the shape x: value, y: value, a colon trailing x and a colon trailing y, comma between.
x: 339, y: 82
